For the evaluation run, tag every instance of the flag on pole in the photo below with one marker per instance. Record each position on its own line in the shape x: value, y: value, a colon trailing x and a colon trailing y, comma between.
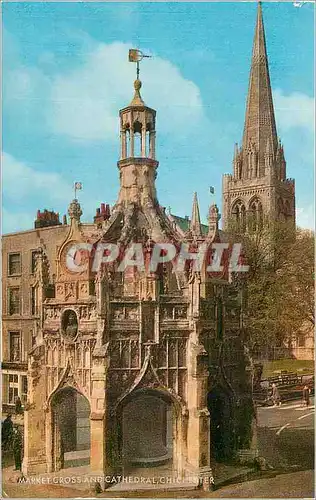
x: 78, y: 186
x: 212, y: 190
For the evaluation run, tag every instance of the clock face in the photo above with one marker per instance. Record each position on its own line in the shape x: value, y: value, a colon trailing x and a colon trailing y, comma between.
x: 75, y: 259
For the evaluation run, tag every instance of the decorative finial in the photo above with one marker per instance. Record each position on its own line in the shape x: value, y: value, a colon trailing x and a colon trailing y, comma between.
x: 74, y: 210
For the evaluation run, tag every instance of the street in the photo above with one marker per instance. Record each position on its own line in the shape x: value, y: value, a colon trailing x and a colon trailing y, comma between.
x: 286, y: 435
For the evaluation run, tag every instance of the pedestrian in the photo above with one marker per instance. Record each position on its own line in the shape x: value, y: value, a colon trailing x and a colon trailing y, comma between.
x: 17, y: 447
x: 276, y: 398
x: 7, y: 430
x: 18, y: 406
x: 306, y: 393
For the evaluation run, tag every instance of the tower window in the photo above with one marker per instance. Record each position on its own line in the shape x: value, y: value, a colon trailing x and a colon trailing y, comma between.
x: 255, y: 215
x: 239, y: 214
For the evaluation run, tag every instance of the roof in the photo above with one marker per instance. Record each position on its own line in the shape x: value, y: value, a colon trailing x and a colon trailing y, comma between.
x: 184, y: 224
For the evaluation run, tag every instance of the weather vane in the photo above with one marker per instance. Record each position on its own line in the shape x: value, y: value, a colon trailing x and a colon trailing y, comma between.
x: 135, y: 55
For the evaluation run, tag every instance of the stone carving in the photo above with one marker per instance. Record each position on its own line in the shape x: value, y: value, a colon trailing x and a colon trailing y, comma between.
x: 132, y: 313
x: 69, y: 325
x: 92, y: 313
x: 70, y: 290
x: 52, y: 313
x: 83, y: 312
x: 167, y: 312
x: 118, y: 312
x: 180, y: 312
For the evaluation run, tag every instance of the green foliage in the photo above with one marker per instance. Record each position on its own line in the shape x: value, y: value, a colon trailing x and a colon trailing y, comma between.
x: 279, y: 287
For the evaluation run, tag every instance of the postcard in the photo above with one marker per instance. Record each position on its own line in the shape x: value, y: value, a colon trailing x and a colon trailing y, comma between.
x: 158, y: 249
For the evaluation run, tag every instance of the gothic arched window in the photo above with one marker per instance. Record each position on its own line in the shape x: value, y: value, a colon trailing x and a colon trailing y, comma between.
x: 239, y: 214
x: 137, y: 139
x: 255, y: 214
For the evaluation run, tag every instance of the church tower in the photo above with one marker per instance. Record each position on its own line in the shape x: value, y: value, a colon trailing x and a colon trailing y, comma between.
x: 258, y: 188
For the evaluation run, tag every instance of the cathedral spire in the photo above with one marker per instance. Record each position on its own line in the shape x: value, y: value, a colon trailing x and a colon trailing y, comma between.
x: 260, y: 125
x: 195, y: 224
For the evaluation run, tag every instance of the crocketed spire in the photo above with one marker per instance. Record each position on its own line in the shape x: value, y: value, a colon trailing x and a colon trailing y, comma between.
x: 260, y: 127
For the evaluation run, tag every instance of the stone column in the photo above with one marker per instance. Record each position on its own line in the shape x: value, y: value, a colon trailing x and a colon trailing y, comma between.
x: 35, y: 459
x: 123, y: 144
x: 98, y: 416
x: 143, y: 141
x: 198, y: 432
x: 97, y: 448
x: 152, y: 151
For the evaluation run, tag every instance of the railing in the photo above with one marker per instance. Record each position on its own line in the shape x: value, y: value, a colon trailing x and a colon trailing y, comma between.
x: 289, y: 384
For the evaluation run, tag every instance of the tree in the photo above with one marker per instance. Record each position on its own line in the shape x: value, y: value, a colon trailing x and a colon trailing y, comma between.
x: 279, y: 286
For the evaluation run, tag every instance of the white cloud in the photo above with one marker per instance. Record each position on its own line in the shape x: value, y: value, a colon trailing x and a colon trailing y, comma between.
x: 15, y: 221
x: 294, y: 110
x: 305, y: 217
x: 22, y: 183
x: 85, y: 102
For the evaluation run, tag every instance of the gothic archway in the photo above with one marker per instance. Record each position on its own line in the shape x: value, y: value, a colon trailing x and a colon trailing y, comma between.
x: 150, y: 430
x: 70, y: 429
x: 220, y: 406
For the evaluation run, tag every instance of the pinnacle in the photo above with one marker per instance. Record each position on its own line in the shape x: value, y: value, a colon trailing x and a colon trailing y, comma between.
x: 195, y: 225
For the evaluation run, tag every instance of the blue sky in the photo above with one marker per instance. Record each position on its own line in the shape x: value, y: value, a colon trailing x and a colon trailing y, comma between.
x: 66, y: 75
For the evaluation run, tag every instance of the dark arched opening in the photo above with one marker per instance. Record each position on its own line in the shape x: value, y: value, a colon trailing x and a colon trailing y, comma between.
x: 71, y: 429
x: 220, y: 406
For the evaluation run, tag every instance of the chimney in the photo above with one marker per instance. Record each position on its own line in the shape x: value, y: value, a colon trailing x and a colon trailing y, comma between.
x: 46, y: 219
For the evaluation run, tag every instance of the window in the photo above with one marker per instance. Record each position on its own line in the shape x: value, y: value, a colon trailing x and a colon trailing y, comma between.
x: 33, y: 261
x: 33, y: 300
x: 14, y: 300
x: 14, y: 264
x: 23, y: 388
x: 239, y: 214
x: 15, y: 346
x: 13, y: 388
x: 255, y: 215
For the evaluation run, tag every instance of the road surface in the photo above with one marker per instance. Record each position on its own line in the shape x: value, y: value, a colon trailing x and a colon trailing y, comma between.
x: 286, y: 435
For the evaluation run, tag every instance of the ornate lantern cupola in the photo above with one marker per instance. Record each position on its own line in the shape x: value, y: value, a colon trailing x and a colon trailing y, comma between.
x: 137, y: 164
